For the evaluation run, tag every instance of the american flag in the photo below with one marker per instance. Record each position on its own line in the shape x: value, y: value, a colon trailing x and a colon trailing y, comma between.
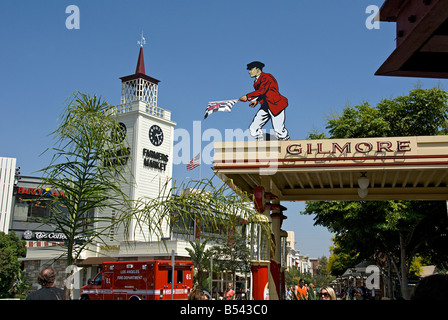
x: 225, y: 106
x: 195, y: 162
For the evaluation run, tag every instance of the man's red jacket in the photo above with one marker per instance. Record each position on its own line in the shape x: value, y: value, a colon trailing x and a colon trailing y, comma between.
x: 266, y: 89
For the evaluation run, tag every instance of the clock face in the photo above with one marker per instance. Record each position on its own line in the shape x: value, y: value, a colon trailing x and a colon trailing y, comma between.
x: 156, y: 135
x: 120, y: 133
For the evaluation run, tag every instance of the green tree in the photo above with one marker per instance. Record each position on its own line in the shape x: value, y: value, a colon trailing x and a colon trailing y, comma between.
x: 232, y: 251
x: 323, y: 276
x: 397, y: 229
x: 11, y: 249
x: 340, y: 260
x: 201, y: 259
x: 292, y: 276
x: 89, y: 166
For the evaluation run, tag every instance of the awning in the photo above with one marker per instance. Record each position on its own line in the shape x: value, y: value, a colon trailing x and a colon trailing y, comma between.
x: 396, y: 168
x: 95, y: 261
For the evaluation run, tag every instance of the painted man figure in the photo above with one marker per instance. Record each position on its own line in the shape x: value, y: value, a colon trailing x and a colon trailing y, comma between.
x: 272, y: 103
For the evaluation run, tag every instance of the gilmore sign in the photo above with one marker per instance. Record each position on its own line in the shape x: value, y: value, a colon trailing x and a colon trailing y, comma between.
x: 382, y: 147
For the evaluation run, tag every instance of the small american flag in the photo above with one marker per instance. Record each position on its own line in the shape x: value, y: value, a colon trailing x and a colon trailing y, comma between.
x: 195, y: 162
x: 225, y: 106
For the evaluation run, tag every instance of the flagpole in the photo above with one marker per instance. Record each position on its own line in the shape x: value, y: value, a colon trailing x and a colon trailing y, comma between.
x: 200, y: 166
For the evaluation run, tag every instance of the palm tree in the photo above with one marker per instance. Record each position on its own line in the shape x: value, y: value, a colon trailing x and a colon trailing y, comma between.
x: 201, y: 259
x: 86, y: 144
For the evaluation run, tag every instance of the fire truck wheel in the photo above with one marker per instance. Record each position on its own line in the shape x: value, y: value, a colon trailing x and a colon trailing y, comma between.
x: 134, y: 298
x: 84, y: 297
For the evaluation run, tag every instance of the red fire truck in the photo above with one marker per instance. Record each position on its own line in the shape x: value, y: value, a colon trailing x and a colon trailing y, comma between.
x: 140, y: 280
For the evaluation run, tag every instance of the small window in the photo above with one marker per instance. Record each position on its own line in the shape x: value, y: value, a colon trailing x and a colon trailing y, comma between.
x: 170, y: 276
x: 180, y: 276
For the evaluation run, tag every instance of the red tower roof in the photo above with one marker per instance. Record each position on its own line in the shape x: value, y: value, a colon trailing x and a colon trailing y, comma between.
x: 140, y: 71
x: 140, y: 63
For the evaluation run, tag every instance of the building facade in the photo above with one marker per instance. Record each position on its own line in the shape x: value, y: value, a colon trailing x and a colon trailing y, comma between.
x: 294, y: 259
x: 7, y: 180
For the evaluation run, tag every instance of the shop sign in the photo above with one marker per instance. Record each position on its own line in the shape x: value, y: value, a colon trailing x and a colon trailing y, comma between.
x: 362, y: 147
x: 116, y: 157
x: 49, y: 236
x: 40, y: 192
x: 153, y: 159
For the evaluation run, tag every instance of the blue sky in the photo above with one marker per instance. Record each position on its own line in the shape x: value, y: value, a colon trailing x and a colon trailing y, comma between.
x: 320, y: 52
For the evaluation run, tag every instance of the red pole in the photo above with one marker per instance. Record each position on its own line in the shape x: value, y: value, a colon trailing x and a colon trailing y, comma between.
x: 260, y: 279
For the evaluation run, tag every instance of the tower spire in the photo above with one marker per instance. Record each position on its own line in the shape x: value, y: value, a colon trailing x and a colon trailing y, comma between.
x: 141, y: 63
x: 139, y: 86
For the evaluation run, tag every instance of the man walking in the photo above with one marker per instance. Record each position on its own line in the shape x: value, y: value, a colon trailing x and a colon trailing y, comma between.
x: 46, y: 279
x: 272, y: 103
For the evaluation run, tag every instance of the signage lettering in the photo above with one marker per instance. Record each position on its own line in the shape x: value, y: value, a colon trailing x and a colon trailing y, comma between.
x: 50, y: 236
x: 118, y: 157
x: 360, y: 147
x: 153, y: 159
x: 40, y: 192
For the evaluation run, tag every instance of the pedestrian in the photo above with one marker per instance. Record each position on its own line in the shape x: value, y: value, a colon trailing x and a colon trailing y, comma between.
x: 432, y: 287
x: 48, y: 291
x: 301, y: 290
x: 357, y: 295
x: 327, y: 293
x: 272, y: 103
x: 372, y: 293
x: 229, y: 294
x: 197, y: 294
x: 289, y: 293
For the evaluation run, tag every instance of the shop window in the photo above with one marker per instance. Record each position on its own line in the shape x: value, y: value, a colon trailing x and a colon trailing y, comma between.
x: 27, y: 207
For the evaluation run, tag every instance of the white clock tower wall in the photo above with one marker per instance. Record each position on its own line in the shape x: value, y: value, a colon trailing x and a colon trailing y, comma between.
x: 150, y: 135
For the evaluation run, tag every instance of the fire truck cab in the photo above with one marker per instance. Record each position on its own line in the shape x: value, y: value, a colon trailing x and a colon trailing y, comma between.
x: 140, y: 280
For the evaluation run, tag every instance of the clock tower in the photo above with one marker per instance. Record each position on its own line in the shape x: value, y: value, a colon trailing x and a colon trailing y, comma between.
x: 150, y: 135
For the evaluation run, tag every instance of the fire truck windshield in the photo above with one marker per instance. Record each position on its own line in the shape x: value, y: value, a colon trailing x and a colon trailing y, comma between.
x: 97, y: 280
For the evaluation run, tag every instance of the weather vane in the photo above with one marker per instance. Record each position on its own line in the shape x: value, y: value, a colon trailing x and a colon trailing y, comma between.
x: 142, y: 40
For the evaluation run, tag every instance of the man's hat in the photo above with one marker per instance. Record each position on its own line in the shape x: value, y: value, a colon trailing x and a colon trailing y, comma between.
x: 255, y: 64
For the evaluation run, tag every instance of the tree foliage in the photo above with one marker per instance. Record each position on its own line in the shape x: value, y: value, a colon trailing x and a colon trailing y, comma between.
x: 86, y: 166
x: 11, y: 249
x: 232, y: 251
x: 200, y: 256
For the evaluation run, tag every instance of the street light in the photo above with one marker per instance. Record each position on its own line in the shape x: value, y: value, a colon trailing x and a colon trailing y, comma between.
x: 363, y: 184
